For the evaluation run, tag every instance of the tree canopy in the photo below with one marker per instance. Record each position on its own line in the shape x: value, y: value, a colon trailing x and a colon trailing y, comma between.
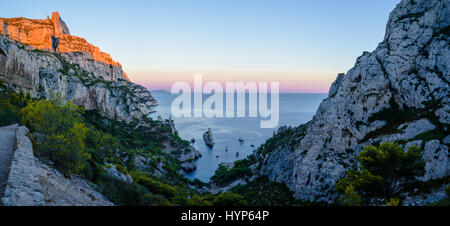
x: 384, y: 171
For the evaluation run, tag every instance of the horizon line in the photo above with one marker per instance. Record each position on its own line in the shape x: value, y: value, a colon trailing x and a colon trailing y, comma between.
x: 283, y: 92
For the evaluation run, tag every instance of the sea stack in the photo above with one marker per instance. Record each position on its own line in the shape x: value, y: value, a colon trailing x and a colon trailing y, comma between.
x: 208, y: 138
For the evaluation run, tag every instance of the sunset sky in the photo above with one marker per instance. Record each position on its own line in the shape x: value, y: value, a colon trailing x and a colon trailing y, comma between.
x: 301, y: 44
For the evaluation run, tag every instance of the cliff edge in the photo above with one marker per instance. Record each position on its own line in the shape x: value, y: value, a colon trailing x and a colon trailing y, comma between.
x: 51, y: 35
x: 40, y: 57
x: 406, y: 76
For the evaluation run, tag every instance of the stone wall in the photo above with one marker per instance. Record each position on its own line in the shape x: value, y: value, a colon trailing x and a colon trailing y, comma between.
x: 23, y: 187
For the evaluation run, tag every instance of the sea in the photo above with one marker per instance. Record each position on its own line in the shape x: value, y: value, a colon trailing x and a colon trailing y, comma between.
x: 235, y: 138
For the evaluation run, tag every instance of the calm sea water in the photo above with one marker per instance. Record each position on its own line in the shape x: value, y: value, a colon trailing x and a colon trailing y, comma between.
x: 295, y: 109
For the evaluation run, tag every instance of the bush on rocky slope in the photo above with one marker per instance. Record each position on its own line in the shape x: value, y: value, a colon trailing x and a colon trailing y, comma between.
x: 87, y: 144
x: 383, y: 173
x: 10, y: 105
x: 241, y: 168
x: 446, y: 201
x: 59, y: 133
x: 262, y: 192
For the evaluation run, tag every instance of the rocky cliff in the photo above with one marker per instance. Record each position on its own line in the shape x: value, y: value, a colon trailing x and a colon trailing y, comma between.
x: 40, y: 57
x: 399, y: 92
x: 53, y: 35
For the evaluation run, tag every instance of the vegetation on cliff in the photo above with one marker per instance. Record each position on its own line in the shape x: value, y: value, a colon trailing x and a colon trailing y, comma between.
x: 262, y: 192
x: 60, y: 133
x: 384, y: 172
x: 258, y: 189
x: 223, y: 175
x: 84, y: 143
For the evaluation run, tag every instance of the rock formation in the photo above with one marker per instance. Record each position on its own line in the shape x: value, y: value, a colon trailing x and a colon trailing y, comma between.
x: 399, y: 92
x: 187, y: 158
x: 77, y: 70
x: 59, y: 190
x: 208, y: 138
x: 41, y: 58
x: 52, y: 35
x: 112, y: 170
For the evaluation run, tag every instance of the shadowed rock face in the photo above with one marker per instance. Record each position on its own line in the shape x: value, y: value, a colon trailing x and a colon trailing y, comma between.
x: 408, y: 69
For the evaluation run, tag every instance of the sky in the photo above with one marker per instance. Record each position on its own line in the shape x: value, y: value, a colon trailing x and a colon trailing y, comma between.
x: 303, y: 44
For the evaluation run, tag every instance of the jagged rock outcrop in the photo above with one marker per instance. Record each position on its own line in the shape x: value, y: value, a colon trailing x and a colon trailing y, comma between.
x: 180, y: 150
x: 144, y: 163
x: 186, y: 155
x: 187, y: 158
x: 208, y: 138
x: 114, y: 172
x: 51, y: 35
x: 76, y: 70
x: 406, y: 76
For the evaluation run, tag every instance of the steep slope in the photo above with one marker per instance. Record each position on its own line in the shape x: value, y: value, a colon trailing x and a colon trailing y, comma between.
x: 51, y: 35
x: 399, y: 92
x: 40, y: 57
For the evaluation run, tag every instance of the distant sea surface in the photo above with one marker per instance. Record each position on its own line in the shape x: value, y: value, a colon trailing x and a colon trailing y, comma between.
x: 295, y: 109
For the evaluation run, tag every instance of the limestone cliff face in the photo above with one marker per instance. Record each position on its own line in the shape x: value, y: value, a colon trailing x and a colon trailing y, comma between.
x: 407, y: 73
x: 53, y: 35
x: 79, y: 72
x: 76, y: 69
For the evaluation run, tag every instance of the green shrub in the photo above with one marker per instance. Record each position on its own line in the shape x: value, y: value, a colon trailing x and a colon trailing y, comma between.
x: 120, y: 192
x: 393, y: 202
x: 154, y: 200
x: 121, y: 169
x: 262, y: 192
x: 224, y: 176
x: 154, y: 186
x: 350, y: 198
x: 60, y: 133
x: 10, y: 105
x: 102, y: 146
x: 88, y: 171
x: 8, y: 115
x: 385, y: 171
x: 197, y: 200
x: 199, y: 184
x: 229, y: 199
x: 396, y: 115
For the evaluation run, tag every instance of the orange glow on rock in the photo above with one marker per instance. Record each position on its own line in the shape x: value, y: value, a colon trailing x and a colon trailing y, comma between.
x: 41, y: 35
